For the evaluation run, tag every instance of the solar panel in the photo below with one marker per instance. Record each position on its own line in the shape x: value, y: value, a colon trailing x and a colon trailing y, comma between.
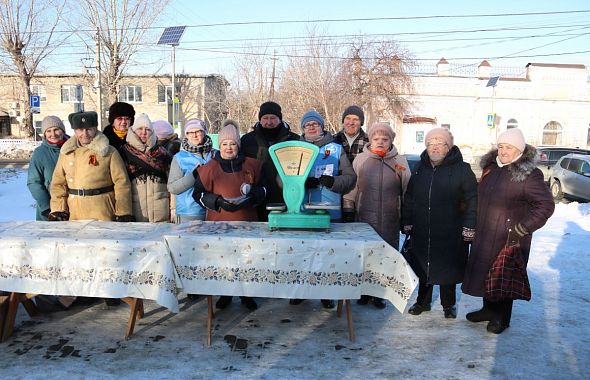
x: 492, y: 82
x: 171, y: 35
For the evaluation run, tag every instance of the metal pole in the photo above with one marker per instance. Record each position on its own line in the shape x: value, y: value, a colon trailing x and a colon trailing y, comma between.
x: 174, y: 88
x: 98, y: 80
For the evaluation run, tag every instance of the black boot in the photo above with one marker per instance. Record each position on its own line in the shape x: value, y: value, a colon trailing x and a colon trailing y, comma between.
x: 484, y: 314
x: 364, y: 300
x: 223, y: 302
x: 295, y: 301
x: 328, y: 304
x: 496, y: 325
x: 450, y: 311
x: 249, y: 303
x: 418, y: 308
x: 379, y: 303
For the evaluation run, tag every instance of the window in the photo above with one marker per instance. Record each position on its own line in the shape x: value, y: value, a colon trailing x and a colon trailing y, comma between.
x: 552, y: 132
x: 447, y: 126
x: 585, y: 168
x: 512, y: 123
x: 130, y: 94
x: 165, y: 93
x: 71, y: 93
x: 564, y: 163
x: 575, y: 166
x: 39, y: 90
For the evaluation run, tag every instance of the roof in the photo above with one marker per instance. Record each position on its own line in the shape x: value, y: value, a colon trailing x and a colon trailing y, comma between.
x: 558, y: 65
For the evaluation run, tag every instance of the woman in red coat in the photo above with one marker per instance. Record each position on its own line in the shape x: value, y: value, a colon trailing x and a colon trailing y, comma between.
x: 511, y: 195
x: 230, y: 187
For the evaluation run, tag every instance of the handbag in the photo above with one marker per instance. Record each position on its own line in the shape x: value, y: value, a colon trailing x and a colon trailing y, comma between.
x: 507, y: 277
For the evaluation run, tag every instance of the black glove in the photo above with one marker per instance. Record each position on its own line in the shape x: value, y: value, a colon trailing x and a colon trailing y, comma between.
x: 515, y: 234
x: 59, y: 216
x: 258, y: 194
x: 468, y: 234
x: 123, y: 218
x: 222, y: 203
x: 312, y: 183
x: 45, y: 213
x: 209, y: 200
x: 348, y: 215
x: 327, y: 181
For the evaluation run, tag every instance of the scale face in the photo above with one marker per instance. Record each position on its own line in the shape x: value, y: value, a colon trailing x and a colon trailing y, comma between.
x: 294, y: 160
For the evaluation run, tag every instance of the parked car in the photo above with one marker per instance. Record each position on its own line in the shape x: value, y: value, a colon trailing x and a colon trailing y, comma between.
x: 549, y: 155
x: 570, y: 177
x: 413, y: 159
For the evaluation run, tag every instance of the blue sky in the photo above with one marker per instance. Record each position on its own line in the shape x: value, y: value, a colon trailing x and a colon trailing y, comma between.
x: 531, y: 38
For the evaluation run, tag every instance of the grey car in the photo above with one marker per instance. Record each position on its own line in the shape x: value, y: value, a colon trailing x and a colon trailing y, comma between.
x: 570, y: 177
x: 549, y: 155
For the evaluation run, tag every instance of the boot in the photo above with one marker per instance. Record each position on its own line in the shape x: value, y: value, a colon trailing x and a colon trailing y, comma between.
x: 496, y: 326
x: 418, y: 308
x: 450, y: 311
x: 223, y: 302
x: 249, y: 303
x: 363, y: 300
x: 484, y: 314
x: 379, y: 303
x: 328, y: 304
x: 295, y: 301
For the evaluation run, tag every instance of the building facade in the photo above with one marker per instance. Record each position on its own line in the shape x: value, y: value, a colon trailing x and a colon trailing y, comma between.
x: 202, y: 97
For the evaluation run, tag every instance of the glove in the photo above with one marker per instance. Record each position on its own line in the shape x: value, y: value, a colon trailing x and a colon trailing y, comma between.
x: 311, y: 183
x: 222, y: 203
x: 123, y: 218
x: 45, y: 213
x: 59, y: 216
x: 327, y: 180
x: 515, y: 234
x: 348, y: 215
x: 468, y: 234
x: 257, y: 195
x: 407, y: 229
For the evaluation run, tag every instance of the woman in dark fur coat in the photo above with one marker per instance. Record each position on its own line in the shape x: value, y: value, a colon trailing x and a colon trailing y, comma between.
x: 512, y: 195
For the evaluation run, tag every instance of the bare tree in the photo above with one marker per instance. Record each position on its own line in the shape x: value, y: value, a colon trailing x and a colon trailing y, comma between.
x: 27, y: 36
x: 120, y: 25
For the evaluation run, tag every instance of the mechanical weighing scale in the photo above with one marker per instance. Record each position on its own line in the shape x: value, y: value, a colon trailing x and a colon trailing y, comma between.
x: 294, y: 160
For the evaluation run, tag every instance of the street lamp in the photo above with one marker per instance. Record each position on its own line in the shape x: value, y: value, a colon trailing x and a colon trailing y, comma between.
x: 171, y: 36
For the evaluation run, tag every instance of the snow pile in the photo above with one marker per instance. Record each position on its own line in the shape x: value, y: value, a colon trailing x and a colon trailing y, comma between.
x: 17, y: 149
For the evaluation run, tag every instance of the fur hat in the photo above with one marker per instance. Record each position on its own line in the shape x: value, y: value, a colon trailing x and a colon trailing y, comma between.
x: 354, y: 110
x: 121, y: 109
x: 162, y: 128
x: 382, y: 128
x: 312, y: 116
x: 442, y: 134
x: 229, y: 132
x: 83, y: 119
x: 270, y: 108
x: 195, y: 124
x: 514, y: 137
x: 52, y: 121
x: 142, y: 120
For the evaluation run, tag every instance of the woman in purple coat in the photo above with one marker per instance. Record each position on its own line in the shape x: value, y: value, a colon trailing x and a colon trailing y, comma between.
x: 512, y: 195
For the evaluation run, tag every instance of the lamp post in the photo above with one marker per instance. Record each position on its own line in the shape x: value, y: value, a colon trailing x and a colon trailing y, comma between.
x: 171, y: 36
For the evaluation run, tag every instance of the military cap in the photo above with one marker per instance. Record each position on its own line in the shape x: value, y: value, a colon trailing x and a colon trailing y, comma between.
x: 83, y: 119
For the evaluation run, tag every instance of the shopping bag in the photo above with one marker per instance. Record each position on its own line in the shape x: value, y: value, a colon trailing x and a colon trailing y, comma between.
x: 507, y: 278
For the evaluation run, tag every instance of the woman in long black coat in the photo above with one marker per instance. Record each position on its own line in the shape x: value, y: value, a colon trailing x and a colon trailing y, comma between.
x: 512, y: 194
x: 439, y: 209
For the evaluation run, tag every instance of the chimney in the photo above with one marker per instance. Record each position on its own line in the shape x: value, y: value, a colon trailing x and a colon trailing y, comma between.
x: 442, y: 68
x: 484, y: 69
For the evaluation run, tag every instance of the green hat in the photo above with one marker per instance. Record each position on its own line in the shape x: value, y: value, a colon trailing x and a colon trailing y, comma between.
x: 83, y: 119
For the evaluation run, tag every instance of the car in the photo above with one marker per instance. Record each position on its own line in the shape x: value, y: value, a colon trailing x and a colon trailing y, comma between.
x: 412, y: 159
x: 549, y: 155
x: 570, y: 178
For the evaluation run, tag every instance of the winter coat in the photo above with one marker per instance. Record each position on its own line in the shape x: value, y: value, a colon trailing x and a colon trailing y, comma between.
x: 255, y: 144
x: 224, y: 178
x: 39, y: 176
x: 171, y: 144
x: 147, y: 166
x: 439, y: 202
x: 344, y: 176
x: 114, y: 140
x: 97, y: 165
x: 357, y: 147
x: 380, y: 186
x: 515, y: 192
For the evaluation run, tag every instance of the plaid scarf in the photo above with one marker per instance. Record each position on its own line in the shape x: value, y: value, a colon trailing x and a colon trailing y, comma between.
x: 357, y: 146
x: 153, y: 164
x: 202, y: 149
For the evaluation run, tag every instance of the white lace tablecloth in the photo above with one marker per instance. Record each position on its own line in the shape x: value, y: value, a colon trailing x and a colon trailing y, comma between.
x: 88, y: 258
x: 238, y: 258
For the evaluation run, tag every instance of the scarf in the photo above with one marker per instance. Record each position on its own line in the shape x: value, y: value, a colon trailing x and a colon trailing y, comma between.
x: 120, y: 134
x: 59, y: 143
x: 380, y: 153
x: 153, y: 164
x: 202, y: 149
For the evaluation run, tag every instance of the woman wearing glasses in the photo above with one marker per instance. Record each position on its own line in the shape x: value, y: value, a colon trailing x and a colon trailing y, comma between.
x: 439, y: 213
x: 196, y: 149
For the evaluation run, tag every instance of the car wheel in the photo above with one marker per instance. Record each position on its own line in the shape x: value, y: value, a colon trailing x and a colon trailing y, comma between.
x: 556, y: 191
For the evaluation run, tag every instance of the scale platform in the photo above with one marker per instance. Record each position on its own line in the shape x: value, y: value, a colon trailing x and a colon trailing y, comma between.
x: 294, y: 160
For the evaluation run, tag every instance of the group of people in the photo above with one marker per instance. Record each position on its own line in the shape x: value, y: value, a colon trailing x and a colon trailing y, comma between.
x: 139, y: 170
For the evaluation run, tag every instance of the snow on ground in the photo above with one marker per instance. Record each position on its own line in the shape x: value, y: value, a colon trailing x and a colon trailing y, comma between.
x: 549, y: 337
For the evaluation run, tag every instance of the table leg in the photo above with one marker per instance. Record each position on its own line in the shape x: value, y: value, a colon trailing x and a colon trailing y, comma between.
x: 339, y: 309
x: 209, y: 318
x: 349, y: 318
x: 8, y: 328
x: 3, y: 312
x: 29, y: 304
x: 136, y: 304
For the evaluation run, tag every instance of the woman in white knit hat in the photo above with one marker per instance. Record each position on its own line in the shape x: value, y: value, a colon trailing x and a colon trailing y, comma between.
x: 513, y: 202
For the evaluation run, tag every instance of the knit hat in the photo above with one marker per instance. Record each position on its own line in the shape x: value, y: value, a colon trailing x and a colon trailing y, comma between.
x: 312, y: 116
x: 514, y: 137
x: 121, y: 109
x: 230, y: 122
x: 83, y: 119
x: 142, y: 120
x: 52, y: 121
x: 270, y: 108
x: 382, y: 128
x: 229, y: 132
x: 162, y: 128
x: 442, y: 134
x: 195, y: 124
x: 354, y: 110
